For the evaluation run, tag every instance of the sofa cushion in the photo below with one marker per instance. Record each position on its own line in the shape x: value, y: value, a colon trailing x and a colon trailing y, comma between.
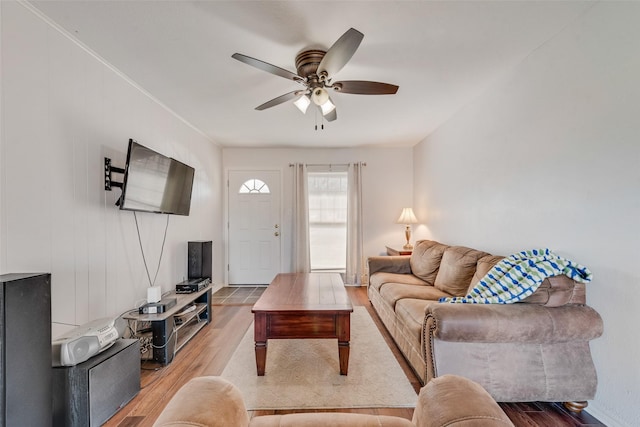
x: 457, y: 267
x: 392, y: 292
x: 412, y: 313
x: 425, y: 259
x: 557, y: 291
x: 380, y: 278
x: 484, y: 265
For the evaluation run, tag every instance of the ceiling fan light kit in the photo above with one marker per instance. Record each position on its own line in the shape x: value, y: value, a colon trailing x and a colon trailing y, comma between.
x: 315, y: 70
x: 319, y: 96
x: 327, y: 107
x: 302, y: 103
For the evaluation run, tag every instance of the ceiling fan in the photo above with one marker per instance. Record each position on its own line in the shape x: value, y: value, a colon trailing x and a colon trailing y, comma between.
x: 315, y: 71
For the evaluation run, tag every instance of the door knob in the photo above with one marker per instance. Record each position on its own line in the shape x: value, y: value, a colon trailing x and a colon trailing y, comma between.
x: 276, y: 234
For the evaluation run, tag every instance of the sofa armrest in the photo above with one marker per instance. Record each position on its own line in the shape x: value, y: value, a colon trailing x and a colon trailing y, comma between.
x: 389, y: 264
x: 452, y: 400
x: 205, y: 401
x: 526, y: 323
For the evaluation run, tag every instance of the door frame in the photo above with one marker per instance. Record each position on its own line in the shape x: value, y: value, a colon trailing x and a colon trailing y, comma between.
x: 225, y: 213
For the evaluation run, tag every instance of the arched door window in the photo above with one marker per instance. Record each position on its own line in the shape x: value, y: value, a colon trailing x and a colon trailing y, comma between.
x: 254, y: 186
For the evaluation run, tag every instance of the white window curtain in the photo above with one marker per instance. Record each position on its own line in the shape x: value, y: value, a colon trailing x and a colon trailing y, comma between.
x: 301, y: 252
x: 355, y: 267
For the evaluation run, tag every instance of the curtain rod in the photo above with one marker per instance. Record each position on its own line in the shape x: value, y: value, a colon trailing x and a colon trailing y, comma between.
x: 328, y: 164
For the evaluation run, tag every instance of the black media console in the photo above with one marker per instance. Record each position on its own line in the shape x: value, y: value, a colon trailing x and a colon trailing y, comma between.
x: 171, y: 330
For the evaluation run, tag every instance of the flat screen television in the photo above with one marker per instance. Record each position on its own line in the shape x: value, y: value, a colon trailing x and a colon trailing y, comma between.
x: 155, y: 183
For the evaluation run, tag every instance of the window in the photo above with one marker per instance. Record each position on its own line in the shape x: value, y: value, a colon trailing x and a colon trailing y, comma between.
x: 254, y: 186
x: 328, y: 220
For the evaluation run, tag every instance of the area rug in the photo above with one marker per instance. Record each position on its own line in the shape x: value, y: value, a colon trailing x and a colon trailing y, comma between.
x: 305, y: 373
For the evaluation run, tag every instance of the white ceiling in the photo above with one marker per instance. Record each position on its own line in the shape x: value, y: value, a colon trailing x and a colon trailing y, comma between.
x: 442, y: 54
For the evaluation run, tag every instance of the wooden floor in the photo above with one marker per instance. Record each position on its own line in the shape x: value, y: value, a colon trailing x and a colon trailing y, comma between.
x: 210, y: 350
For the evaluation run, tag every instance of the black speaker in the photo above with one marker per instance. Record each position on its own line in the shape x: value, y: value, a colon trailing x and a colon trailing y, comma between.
x: 25, y: 350
x: 91, y: 392
x: 200, y: 260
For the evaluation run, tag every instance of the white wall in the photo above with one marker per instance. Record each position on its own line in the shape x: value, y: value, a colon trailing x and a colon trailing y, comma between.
x: 550, y: 157
x: 64, y: 110
x: 386, y: 180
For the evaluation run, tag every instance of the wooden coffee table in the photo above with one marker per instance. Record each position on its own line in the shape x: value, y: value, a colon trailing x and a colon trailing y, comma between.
x: 303, y: 305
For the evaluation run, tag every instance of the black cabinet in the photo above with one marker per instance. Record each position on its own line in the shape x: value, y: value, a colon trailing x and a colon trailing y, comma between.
x: 25, y: 350
x: 88, y: 394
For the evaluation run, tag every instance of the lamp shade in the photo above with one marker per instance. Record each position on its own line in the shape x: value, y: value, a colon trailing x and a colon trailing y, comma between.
x: 302, y: 103
x: 319, y: 96
x: 407, y: 217
x: 327, y: 107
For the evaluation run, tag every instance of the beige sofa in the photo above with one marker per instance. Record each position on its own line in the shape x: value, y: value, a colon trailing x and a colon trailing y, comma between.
x: 534, y: 350
x: 446, y: 401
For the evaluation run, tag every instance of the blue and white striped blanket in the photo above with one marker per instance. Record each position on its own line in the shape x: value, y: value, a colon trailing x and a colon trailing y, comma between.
x: 519, y: 275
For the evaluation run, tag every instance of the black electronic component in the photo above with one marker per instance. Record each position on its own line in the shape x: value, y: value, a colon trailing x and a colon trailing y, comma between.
x: 157, y: 307
x: 190, y: 286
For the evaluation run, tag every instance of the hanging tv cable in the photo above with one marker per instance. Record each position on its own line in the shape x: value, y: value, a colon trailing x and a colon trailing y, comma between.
x: 144, y: 259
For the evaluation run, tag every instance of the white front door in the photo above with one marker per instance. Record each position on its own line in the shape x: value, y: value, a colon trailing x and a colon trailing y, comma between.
x: 254, y: 227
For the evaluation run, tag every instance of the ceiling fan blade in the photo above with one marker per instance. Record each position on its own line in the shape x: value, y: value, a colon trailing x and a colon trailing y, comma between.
x: 340, y: 53
x: 361, y: 87
x: 264, y: 66
x: 279, y: 100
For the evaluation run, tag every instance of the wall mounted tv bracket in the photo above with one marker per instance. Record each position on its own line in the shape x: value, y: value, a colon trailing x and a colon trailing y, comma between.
x: 108, y: 180
x: 108, y: 170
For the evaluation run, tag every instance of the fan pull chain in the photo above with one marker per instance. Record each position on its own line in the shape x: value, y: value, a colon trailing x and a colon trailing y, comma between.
x: 321, y: 120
